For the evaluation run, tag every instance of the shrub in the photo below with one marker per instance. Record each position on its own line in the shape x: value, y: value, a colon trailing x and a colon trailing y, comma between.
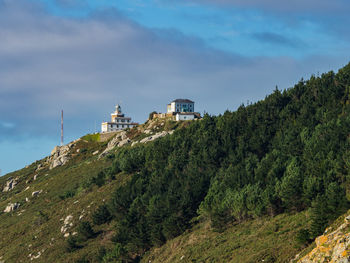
x: 116, y: 255
x: 72, y: 244
x: 150, y: 116
x: 99, y: 180
x: 101, y: 253
x: 40, y: 218
x: 82, y: 260
x: 303, y: 236
x: 67, y: 194
x: 85, y: 230
x: 101, y: 215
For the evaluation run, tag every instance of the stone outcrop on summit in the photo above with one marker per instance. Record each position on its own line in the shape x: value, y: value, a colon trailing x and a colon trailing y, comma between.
x: 60, y: 155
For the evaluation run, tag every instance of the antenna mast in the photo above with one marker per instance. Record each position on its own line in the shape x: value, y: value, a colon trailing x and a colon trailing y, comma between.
x: 61, y: 127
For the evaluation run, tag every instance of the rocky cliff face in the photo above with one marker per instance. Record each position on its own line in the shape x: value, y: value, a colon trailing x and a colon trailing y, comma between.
x: 152, y: 128
x: 333, y: 246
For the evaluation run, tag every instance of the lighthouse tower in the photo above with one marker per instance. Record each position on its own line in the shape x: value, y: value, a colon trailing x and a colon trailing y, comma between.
x: 118, y: 121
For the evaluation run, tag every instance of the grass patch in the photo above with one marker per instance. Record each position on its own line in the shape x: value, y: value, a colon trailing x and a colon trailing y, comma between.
x: 92, y: 137
x: 251, y: 241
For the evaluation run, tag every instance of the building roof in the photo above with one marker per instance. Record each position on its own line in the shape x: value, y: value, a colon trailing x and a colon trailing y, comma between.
x: 183, y: 101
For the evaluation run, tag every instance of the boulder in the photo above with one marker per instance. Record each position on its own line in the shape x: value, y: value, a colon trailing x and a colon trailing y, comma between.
x: 123, y: 142
x: 10, y: 184
x: 134, y: 143
x: 155, y: 136
x: 39, y: 167
x: 120, y: 137
x: 67, y: 224
x: 59, y: 155
x: 36, y: 193
x: 11, y: 207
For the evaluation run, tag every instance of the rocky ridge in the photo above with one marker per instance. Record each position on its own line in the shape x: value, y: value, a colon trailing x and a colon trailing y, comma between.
x: 60, y: 155
x: 332, y: 246
x: 121, y: 138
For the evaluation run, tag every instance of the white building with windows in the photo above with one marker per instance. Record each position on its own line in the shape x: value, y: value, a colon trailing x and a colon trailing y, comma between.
x: 185, y: 116
x: 180, y: 105
x: 118, y: 121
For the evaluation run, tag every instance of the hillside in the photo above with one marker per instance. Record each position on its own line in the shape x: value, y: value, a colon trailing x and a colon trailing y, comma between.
x: 63, y: 185
x: 257, y: 184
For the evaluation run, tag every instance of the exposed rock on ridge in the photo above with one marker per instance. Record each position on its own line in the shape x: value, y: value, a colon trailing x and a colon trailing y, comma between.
x: 60, y: 155
x: 332, y: 247
x: 122, y: 139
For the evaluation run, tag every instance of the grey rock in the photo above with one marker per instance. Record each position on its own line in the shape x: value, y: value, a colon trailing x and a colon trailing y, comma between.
x: 60, y: 155
x: 10, y: 184
x: 123, y: 142
x: 36, y: 193
x: 11, y: 207
x: 154, y: 137
x: 117, y: 139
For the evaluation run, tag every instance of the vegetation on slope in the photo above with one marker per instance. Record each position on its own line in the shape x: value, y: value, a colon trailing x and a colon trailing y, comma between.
x: 265, y: 239
x: 285, y: 154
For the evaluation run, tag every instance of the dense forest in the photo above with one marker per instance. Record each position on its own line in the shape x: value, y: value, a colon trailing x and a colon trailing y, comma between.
x: 286, y: 153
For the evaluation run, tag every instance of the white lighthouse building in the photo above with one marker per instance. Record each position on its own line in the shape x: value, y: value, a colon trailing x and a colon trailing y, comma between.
x: 118, y: 121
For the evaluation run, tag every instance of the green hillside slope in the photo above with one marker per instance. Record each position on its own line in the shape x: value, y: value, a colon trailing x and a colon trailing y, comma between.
x: 232, y: 185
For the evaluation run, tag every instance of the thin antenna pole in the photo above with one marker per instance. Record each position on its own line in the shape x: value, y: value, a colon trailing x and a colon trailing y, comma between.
x: 62, y: 128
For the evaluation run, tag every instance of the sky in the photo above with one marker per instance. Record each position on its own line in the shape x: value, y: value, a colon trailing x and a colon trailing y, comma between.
x: 85, y: 56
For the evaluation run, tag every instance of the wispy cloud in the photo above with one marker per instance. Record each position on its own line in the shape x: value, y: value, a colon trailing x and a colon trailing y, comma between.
x: 298, y: 6
x: 273, y: 38
x: 87, y: 65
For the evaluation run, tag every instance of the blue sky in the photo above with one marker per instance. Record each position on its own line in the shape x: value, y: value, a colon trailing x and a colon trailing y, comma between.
x: 84, y: 56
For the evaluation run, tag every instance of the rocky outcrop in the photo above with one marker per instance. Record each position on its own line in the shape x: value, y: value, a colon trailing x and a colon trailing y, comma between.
x: 119, y: 140
x: 155, y: 136
x: 60, y: 155
x: 332, y: 246
x: 10, y: 184
x: 11, y: 207
x: 67, y: 224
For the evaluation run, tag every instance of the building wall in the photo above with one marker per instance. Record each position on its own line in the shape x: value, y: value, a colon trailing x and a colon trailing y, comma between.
x: 168, y: 108
x: 184, y: 117
x: 112, y: 126
x: 182, y: 107
x: 104, y: 127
